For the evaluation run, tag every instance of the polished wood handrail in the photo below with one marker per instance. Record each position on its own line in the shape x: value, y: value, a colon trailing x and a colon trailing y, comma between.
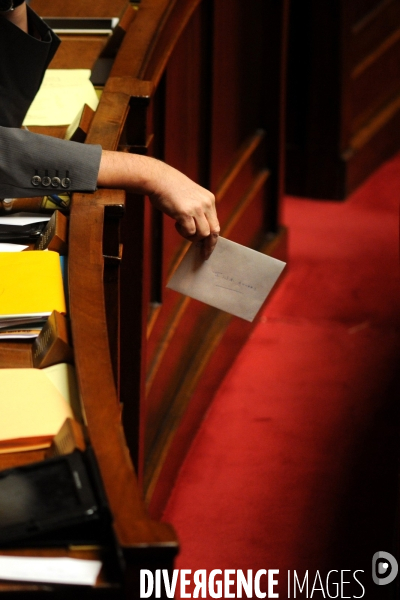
x: 149, y: 83
x: 154, y: 34
x: 96, y: 382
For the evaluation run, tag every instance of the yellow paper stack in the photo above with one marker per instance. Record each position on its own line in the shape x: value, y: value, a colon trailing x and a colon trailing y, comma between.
x: 34, y: 404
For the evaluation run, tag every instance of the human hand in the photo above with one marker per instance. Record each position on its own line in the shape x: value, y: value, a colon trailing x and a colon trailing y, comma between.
x: 169, y: 190
x: 192, y: 207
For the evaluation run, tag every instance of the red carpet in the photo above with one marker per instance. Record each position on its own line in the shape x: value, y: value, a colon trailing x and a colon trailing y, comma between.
x: 295, y: 465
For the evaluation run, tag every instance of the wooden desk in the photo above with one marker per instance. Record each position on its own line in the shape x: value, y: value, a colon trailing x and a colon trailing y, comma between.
x: 200, y: 87
x: 82, y: 51
x: 143, y: 543
x: 83, y: 8
x: 93, y: 255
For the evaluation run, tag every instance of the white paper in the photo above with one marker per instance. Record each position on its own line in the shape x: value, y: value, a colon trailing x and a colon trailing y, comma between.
x: 235, y: 279
x: 90, y: 30
x: 5, y: 247
x: 49, y: 570
x: 24, y: 218
x: 25, y: 321
x: 18, y: 336
x: 61, y: 97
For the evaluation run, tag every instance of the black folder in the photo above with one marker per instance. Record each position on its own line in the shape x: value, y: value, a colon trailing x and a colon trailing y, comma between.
x: 58, y: 501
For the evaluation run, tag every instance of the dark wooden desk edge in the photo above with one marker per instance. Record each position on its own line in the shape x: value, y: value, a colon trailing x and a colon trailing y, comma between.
x: 133, y: 527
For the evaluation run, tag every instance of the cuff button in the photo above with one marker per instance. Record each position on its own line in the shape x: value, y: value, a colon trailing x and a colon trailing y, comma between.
x: 36, y: 180
x: 65, y: 182
x: 46, y: 181
x: 55, y: 182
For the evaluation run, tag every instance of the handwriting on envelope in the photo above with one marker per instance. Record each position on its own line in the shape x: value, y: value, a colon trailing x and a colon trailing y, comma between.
x: 235, y: 278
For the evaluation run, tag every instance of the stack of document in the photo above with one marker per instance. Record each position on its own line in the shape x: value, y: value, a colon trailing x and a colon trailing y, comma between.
x: 34, y: 403
x: 31, y: 287
x: 18, y: 229
x: 61, y: 97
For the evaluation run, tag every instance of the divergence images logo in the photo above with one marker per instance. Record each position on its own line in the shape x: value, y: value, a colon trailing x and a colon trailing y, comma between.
x: 384, y: 568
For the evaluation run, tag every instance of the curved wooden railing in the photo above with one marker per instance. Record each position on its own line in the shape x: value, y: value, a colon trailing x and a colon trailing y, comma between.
x: 167, y: 86
x: 94, y: 256
x: 94, y: 368
x: 148, y: 360
x: 87, y: 262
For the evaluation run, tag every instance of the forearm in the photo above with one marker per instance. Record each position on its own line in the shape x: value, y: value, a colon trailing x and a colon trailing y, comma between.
x: 169, y: 190
x: 131, y: 172
x: 30, y: 163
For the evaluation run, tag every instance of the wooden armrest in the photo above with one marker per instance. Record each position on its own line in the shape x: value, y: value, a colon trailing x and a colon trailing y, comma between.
x: 148, y: 45
x: 132, y: 525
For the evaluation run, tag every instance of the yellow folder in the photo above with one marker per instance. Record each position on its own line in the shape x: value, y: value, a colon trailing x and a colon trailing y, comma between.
x: 30, y: 284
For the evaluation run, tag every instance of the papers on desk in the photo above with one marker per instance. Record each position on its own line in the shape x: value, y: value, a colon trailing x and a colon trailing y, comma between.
x: 82, y: 25
x: 12, y: 247
x: 235, y: 278
x: 21, y: 227
x: 24, y: 218
x: 34, y: 404
x: 61, y: 97
x: 49, y: 570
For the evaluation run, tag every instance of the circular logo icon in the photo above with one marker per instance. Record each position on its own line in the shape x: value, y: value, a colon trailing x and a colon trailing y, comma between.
x: 384, y: 568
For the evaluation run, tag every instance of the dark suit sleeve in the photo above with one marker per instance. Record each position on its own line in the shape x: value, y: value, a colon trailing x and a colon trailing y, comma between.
x: 23, y: 61
x: 34, y: 165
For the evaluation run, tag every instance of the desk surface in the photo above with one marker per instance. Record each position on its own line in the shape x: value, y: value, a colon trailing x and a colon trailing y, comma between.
x: 79, y: 51
x: 83, y: 8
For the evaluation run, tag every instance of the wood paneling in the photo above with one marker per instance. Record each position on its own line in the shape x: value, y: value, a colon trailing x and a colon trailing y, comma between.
x: 206, y: 95
x: 343, y: 80
x: 83, y: 51
x: 209, y: 115
x: 374, y: 81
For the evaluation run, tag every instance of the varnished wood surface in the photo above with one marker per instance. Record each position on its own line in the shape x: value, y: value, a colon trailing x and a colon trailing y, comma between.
x: 79, y: 51
x: 90, y: 337
x: 10, y: 460
x: 83, y: 8
x: 189, y: 75
x: 343, y: 83
x: 82, y: 51
x: 93, y: 277
x: 164, y: 98
x: 153, y: 37
x: 15, y: 354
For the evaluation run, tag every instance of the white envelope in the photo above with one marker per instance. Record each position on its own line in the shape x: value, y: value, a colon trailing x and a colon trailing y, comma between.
x: 235, y: 279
